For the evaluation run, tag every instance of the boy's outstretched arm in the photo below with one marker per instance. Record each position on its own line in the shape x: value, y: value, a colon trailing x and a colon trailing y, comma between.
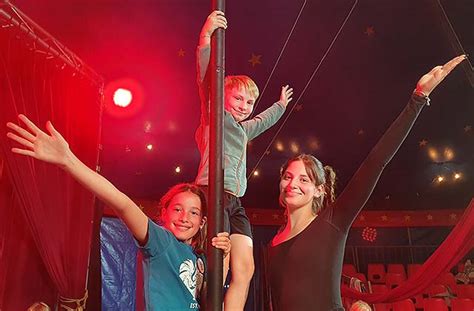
x: 53, y: 148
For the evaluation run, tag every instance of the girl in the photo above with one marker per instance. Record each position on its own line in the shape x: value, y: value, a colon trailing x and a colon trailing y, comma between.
x: 173, y: 272
x: 305, y: 258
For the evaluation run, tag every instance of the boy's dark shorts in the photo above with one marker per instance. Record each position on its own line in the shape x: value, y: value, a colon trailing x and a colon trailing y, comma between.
x: 235, y: 218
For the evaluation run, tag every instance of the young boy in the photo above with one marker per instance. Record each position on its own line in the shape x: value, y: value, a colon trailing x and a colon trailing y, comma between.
x: 240, y: 95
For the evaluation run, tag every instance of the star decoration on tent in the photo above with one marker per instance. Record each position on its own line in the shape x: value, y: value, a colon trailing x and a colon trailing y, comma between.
x: 299, y: 107
x: 360, y: 132
x: 467, y: 128
x: 422, y: 142
x: 255, y: 60
x: 181, y: 53
x: 370, y: 31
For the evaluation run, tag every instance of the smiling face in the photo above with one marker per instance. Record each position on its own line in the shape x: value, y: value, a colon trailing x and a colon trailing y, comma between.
x: 239, y: 103
x: 183, y: 216
x: 297, y: 190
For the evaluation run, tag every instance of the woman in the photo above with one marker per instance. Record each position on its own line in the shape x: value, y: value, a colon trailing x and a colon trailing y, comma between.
x: 305, y: 258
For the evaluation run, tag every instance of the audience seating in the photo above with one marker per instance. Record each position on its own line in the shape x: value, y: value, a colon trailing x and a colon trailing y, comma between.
x: 394, y: 279
x: 435, y: 290
x: 349, y: 269
x: 412, y: 268
x: 462, y: 304
x: 447, y: 279
x: 465, y: 291
x: 434, y: 304
x: 376, y: 273
x: 404, y: 305
x: 382, y: 307
x: 396, y: 268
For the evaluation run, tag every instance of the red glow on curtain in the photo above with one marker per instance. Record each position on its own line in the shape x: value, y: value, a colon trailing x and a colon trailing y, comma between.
x: 57, y: 211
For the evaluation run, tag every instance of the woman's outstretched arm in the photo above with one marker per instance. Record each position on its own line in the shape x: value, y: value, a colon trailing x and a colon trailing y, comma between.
x: 361, y: 185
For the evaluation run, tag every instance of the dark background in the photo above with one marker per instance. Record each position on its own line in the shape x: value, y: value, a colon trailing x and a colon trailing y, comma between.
x: 360, y: 87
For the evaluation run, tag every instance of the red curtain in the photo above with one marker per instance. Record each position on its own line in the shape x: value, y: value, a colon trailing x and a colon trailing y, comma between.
x: 58, y: 211
x: 459, y: 242
x: 23, y: 271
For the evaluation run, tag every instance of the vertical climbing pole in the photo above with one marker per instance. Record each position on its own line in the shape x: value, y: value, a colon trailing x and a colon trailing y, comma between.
x: 216, y: 166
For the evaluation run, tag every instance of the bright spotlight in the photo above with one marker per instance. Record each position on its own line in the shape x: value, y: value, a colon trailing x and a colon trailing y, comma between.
x: 440, y: 179
x: 177, y: 169
x: 279, y: 146
x: 149, y: 147
x: 457, y: 176
x: 433, y: 154
x: 122, y: 97
x: 448, y: 154
x: 294, y: 147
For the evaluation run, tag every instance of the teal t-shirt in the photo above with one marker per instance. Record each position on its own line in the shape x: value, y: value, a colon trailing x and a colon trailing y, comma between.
x: 172, y: 273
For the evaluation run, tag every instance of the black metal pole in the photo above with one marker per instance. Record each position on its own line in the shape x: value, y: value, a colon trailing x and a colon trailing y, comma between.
x: 216, y: 167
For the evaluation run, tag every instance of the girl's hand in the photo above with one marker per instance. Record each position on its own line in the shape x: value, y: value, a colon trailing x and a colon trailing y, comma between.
x: 285, y: 95
x: 222, y: 241
x: 35, y: 143
x: 429, y: 81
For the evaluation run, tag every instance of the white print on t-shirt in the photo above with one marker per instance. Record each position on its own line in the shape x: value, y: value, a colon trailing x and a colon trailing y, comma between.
x: 187, y: 273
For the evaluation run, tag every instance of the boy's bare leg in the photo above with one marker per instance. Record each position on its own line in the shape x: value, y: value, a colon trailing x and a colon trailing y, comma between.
x: 242, y: 268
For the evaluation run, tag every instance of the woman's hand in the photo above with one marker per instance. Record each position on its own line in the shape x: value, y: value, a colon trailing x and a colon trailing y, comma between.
x: 429, y: 81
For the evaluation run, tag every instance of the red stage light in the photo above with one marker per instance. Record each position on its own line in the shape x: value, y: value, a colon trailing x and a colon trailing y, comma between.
x: 369, y: 234
x: 122, y: 97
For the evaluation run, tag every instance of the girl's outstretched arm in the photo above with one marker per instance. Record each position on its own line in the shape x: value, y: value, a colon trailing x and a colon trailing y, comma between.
x: 53, y: 148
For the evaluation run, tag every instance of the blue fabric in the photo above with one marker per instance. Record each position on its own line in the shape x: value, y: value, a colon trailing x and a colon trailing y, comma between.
x: 119, y: 265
